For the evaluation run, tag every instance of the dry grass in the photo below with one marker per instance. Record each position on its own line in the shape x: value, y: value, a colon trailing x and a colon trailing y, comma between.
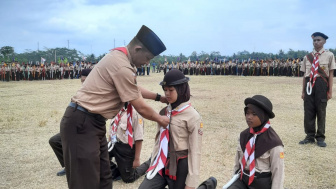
x: 30, y: 113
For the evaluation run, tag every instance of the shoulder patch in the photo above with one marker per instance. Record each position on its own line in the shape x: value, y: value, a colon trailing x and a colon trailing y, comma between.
x: 282, y: 155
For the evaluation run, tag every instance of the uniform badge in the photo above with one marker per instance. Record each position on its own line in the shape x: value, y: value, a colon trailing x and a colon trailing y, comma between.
x: 282, y: 155
x: 323, y: 67
x: 140, y: 121
x: 200, y: 132
x: 201, y: 125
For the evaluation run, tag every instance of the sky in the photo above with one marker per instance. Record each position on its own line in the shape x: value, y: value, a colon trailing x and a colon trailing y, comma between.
x: 184, y: 26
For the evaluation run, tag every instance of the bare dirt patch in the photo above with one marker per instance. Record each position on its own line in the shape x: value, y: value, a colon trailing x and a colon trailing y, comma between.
x: 30, y: 113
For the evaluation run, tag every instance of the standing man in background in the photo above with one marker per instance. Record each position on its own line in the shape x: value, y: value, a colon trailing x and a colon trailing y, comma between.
x: 318, y: 67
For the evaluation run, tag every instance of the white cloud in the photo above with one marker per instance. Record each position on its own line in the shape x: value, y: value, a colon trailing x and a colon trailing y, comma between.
x: 184, y: 26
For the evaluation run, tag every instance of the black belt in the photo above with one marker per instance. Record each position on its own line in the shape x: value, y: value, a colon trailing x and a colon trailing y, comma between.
x: 259, y: 175
x: 80, y: 108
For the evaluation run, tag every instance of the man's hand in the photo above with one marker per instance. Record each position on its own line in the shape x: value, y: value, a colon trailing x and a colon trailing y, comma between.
x: 163, y: 99
x: 136, y: 163
x: 164, y: 121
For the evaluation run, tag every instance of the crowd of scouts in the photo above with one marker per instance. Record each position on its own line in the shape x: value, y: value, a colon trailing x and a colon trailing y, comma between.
x: 268, y: 67
x: 21, y: 71
x: 289, y: 68
x: 176, y: 157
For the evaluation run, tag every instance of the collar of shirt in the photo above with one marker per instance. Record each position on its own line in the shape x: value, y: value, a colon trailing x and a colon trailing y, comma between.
x: 314, y: 51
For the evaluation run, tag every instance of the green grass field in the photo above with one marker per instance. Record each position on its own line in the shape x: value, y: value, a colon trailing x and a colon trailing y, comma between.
x: 30, y: 113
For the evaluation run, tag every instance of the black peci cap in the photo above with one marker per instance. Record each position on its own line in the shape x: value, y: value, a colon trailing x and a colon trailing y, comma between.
x: 319, y: 34
x: 174, y: 77
x: 86, y: 72
x: 150, y: 40
x: 262, y: 102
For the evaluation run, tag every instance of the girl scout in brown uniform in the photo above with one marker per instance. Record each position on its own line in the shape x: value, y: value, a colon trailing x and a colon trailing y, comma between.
x: 259, y: 159
x: 182, y: 166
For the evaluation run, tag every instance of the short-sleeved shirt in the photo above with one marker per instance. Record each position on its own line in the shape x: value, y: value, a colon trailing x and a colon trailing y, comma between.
x: 138, y: 127
x: 186, y: 130
x: 326, y: 62
x: 110, y: 84
x: 271, y: 161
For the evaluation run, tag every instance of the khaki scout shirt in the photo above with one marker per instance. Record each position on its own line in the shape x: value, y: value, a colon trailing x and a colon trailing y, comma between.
x: 271, y: 161
x: 138, y: 127
x: 111, y: 83
x: 186, y: 129
x: 326, y: 62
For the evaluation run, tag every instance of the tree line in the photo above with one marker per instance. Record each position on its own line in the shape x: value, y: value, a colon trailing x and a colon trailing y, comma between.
x: 7, y: 54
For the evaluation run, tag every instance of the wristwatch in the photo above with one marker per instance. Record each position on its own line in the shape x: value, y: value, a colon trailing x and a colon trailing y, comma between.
x: 158, y: 97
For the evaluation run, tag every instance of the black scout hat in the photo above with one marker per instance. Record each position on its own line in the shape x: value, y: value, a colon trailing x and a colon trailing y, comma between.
x: 150, y: 40
x: 319, y: 34
x: 174, y: 77
x: 262, y: 102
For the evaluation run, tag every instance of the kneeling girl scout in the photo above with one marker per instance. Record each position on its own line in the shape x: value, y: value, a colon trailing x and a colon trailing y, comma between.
x: 176, y: 157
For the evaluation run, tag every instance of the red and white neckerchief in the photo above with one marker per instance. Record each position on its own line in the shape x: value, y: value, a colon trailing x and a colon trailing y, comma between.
x: 129, y: 130
x: 161, y: 158
x: 249, y: 152
x: 313, y: 73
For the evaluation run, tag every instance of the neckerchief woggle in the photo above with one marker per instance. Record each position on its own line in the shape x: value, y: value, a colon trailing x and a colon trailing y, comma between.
x: 161, y: 158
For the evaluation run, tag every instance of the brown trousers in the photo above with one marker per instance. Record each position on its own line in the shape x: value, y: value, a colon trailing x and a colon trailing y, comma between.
x: 315, y: 107
x: 85, y: 150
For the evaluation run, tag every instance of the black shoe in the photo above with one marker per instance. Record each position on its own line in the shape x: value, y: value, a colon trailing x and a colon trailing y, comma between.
x: 210, y: 183
x: 321, y: 143
x: 117, y: 178
x: 307, y: 141
x: 61, y: 173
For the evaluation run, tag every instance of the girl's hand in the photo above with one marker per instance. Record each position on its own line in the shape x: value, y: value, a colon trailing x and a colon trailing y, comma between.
x: 187, y: 187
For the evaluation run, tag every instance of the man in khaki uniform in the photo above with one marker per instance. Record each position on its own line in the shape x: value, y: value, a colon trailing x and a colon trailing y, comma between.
x: 317, y: 89
x: 111, y: 83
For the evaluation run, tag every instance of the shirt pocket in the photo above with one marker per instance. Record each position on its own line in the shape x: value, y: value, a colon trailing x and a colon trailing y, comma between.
x: 178, y: 129
x: 263, y: 162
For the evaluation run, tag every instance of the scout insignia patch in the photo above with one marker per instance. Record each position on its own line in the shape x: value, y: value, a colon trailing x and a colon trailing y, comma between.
x: 282, y: 155
x: 140, y: 121
x: 201, y: 126
x: 200, y: 132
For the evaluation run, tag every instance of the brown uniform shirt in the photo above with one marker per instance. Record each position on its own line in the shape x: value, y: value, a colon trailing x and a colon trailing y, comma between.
x: 270, y: 161
x: 326, y: 62
x: 111, y: 83
x: 186, y: 130
x: 138, y: 127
